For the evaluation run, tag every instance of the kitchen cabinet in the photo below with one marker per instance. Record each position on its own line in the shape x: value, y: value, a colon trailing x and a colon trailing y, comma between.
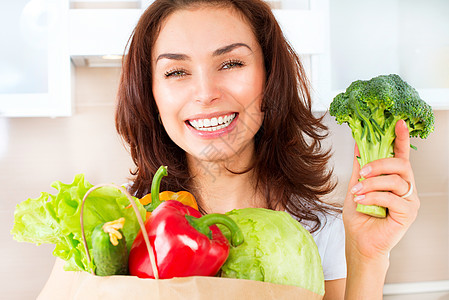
x: 35, y: 73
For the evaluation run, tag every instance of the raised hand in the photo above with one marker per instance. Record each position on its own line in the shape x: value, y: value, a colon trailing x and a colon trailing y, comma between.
x: 389, y: 183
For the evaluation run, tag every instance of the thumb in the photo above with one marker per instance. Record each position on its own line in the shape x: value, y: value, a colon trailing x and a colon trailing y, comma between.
x: 349, y: 204
x: 355, y: 167
x: 402, y: 141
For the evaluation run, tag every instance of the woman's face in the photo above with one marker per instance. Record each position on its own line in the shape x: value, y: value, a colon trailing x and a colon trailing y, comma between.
x: 208, y: 80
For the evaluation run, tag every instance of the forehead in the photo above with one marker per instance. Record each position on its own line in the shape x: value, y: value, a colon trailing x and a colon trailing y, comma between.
x: 206, y: 28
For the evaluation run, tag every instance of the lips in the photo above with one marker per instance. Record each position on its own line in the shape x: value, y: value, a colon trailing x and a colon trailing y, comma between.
x: 212, y: 124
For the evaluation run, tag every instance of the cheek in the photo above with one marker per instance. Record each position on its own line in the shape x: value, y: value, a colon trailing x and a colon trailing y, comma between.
x: 169, y: 116
x: 168, y: 111
x: 162, y: 94
x: 255, y: 104
x: 247, y: 88
x: 167, y: 100
x: 252, y: 93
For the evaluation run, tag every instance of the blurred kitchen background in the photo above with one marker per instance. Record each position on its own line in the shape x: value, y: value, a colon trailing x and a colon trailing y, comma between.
x: 59, y: 70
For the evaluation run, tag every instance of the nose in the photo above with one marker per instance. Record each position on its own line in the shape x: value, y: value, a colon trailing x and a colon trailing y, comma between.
x: 206, y: 89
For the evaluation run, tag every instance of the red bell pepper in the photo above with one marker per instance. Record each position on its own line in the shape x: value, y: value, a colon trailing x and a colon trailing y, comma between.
x: 184, y: 242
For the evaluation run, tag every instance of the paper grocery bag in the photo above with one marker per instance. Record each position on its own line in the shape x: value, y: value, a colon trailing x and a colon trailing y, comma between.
x: 82, y: 285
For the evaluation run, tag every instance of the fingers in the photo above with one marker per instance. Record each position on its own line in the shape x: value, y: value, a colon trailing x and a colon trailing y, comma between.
x: 402, y: 141
x: 400, y: 210
x: 385, y: 166
x: 392, y: 183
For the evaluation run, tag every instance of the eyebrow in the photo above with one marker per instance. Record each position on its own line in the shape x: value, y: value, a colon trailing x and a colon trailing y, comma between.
x: 218, y: 52
x: 229, y: 48
x: 174, y: 56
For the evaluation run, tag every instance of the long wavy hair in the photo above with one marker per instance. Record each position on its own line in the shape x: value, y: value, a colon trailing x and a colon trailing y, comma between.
x: 290, y: 164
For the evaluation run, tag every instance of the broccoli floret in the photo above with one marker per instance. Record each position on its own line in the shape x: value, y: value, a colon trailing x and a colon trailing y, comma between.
x: 371, y: 109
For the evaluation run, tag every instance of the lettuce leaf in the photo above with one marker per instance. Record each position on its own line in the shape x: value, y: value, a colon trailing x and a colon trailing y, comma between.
x: 55, y: 219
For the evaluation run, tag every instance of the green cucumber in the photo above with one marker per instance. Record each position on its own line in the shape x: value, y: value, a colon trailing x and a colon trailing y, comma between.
x: 110, y: 259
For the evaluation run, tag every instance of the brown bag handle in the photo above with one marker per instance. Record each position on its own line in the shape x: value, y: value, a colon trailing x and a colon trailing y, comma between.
x: 139, y: 219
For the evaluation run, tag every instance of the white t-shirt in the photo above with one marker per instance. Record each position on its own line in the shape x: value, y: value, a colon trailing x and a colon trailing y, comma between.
x: 330, y: 239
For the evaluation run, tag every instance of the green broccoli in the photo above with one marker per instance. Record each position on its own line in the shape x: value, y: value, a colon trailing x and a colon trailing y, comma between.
x: 371, y: 109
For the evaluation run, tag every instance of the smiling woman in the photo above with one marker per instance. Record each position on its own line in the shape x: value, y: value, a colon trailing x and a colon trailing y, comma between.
x: 224, y: 103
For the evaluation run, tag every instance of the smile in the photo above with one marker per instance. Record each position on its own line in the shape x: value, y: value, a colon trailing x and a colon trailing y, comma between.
x: 212, y: 124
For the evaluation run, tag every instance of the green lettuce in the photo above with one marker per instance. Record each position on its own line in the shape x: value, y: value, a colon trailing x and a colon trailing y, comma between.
x: 55, y: 219
x: 276, y: 249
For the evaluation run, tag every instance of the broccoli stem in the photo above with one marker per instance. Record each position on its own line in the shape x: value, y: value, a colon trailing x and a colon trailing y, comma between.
x: 371, y: 150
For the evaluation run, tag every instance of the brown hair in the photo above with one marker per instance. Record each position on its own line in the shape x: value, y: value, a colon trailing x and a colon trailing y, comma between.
x: 290, y: 163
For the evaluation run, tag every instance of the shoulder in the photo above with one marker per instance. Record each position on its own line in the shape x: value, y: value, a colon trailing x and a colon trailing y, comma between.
x: 330, y: 240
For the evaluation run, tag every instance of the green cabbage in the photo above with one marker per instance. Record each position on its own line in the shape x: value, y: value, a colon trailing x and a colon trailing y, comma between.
x: 276, y: 249
x: 55, y: 219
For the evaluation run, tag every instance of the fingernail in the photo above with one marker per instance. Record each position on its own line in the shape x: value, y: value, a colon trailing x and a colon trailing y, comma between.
x: 356, y: 188
x: 365, y: 171
x: 359, y: 198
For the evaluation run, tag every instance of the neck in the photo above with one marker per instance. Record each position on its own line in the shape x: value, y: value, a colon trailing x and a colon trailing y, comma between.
x: 218, y: 190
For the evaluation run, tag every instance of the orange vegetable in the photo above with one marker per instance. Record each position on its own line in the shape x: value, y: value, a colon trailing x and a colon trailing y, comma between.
x: 184, y: 197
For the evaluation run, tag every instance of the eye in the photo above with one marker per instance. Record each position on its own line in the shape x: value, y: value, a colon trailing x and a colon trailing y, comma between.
x: 231, y: 64
x: 176, y: 73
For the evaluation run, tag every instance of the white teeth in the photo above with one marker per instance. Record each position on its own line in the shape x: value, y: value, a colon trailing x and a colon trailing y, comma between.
x: 212, y: 124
